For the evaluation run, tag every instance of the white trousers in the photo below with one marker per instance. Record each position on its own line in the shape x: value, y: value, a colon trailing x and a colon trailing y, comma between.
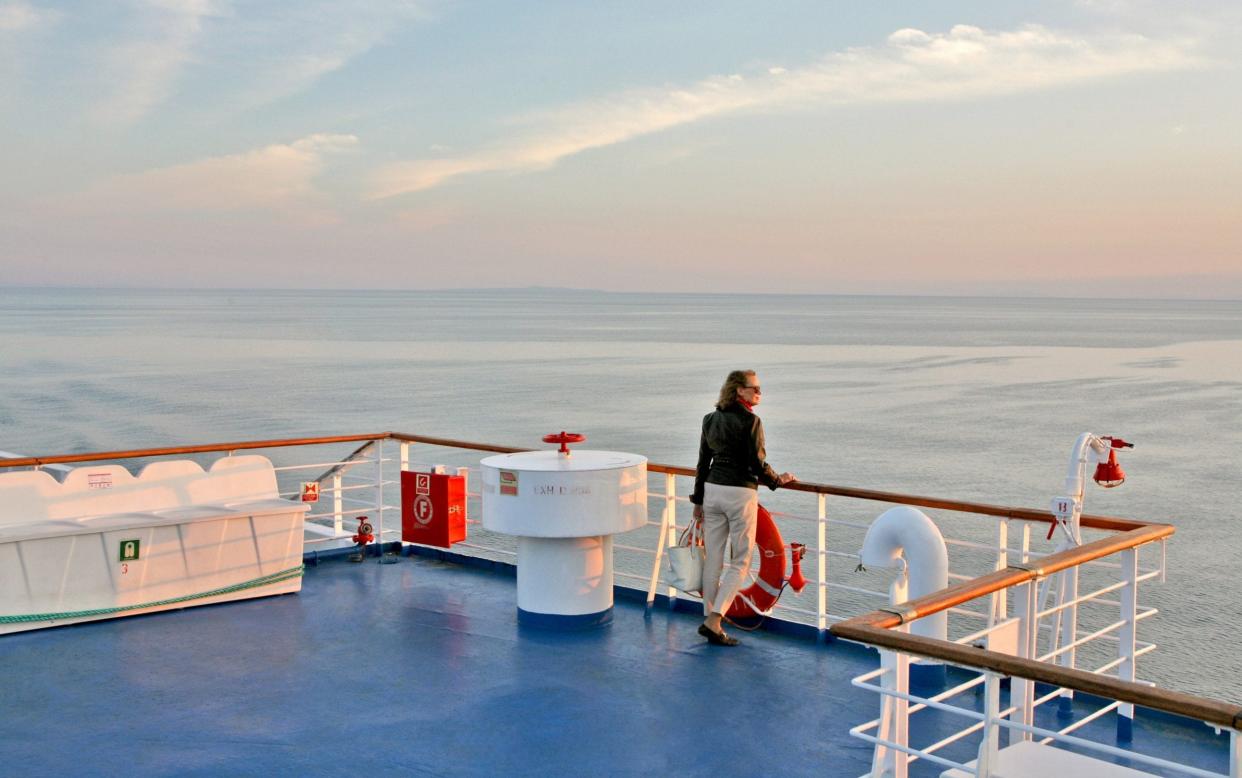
x: 730, y: 514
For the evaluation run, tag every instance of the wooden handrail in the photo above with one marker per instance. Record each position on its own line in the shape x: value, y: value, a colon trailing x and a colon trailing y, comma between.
x: 172, y: 450
x: 1112, y: 523
x: 446, y: 442
x: 1214, y: 712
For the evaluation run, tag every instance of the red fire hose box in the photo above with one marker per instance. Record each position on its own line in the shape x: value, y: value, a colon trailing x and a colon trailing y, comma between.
x: 433, y: 508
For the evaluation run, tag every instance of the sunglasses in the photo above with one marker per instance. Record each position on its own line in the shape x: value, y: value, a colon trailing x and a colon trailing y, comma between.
x: 756, y: 388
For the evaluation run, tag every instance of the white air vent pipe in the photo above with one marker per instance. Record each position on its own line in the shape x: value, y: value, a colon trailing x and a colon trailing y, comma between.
x: 906, y: 538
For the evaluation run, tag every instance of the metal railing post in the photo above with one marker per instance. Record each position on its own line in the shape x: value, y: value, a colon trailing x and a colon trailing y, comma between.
x: 1235, y: 755
x: 1022, y: 693
x: 405, y: 455
x: 1127, y: 638
x: 338, y: 505
x: 464, y: 472
x: 667, y: 539
x: 1000, y: 603
x: 1069, y: 633
x: 1062, y: 588
x: 379, y: 496
x: 821, y: 606
x: 887, y: 761
x: 989, y: 748
x: 670, y: 519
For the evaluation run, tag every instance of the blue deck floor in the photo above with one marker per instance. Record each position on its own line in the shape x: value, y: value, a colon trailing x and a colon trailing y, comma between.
x: 421, y: 668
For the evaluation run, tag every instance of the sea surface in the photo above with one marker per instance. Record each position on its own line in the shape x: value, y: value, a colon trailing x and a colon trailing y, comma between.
x: 967, y: 398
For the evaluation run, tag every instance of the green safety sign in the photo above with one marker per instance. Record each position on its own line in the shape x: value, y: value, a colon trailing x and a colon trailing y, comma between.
x: 129, y: 550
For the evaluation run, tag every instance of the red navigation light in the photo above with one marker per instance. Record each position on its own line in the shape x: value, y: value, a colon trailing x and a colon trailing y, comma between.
x: 1109, y: 474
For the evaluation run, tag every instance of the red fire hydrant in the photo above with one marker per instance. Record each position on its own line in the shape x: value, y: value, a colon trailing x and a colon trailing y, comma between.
x: 362, y: 537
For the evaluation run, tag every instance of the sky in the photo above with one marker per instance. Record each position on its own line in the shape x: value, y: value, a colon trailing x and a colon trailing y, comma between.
x: 1061, y: 148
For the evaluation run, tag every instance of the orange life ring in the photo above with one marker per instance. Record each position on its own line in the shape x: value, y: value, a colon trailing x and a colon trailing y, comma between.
x: 758, y: 598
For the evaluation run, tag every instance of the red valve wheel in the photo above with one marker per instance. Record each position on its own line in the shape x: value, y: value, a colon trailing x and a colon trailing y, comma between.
x: 564, y: 438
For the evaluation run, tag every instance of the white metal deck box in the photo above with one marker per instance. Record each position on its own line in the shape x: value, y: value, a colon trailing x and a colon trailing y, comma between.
x: 105, y: 543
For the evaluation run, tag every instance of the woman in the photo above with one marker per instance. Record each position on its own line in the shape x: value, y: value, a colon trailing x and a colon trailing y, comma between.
x: 731, y: 467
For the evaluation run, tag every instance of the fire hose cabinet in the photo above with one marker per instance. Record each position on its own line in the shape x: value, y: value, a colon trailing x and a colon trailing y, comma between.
x: 433, y: 508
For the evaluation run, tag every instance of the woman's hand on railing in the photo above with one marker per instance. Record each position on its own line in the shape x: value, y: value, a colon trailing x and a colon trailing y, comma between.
x: 785, y: 478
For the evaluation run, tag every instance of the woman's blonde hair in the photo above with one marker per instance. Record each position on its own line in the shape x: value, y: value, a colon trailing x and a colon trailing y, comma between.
x: 728, y: 393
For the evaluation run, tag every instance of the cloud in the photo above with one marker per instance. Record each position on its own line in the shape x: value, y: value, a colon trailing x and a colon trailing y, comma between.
x: 912, y: 66
x: 1107, y: 6
x: 268, y: 50
x: 277, y: 177
x: 21, y: 15
x: 144, y: 68
x: 301, y: 46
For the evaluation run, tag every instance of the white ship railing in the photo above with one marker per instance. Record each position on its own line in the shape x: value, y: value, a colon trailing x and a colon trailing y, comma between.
x: 984, y: 541
x: 1023, y: 663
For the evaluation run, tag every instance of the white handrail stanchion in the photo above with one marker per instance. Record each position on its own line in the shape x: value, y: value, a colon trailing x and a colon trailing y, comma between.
x: 1127, y: 638
x: 891, y: 761
x: 667, y: 539
x: 821, y: 565
x: 1235, y: 755
x: 1000, y: 604
x: 990, y: 745
x: 338, y: 505
x: 1022, y: 691
x: 670, y: 517
x: 1069, y: 624
x: 405, y: 455
x: 379, y: 496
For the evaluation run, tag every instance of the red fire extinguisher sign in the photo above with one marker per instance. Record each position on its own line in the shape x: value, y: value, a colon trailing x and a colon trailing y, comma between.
x: 433, y: 508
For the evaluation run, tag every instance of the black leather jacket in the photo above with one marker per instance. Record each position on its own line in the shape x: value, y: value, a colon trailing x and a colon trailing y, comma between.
x: 731, y: 452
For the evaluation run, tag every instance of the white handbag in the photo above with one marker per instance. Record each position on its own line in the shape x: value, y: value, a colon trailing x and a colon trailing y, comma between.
x: 685, y: 560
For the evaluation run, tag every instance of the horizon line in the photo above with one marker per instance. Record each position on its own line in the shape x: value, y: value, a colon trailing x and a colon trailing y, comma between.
x: 593, y: 290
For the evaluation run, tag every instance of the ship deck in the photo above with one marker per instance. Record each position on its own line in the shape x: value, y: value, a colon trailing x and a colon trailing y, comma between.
x: 421, y: 668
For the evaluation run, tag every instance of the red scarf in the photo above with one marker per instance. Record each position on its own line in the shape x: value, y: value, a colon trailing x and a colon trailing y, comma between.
x: 746, y: 405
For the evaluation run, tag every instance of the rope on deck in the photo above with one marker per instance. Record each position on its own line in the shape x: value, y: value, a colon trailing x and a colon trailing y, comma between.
x: 283, y: 575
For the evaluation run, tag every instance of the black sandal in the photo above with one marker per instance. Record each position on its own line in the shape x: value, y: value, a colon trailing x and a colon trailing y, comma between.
x: 717, y: 638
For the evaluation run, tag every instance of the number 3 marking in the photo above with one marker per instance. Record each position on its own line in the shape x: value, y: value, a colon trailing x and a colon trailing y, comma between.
x: 124, y: 568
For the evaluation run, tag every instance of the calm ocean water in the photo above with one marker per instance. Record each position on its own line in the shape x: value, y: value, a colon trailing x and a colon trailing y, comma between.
x: 977, y: 399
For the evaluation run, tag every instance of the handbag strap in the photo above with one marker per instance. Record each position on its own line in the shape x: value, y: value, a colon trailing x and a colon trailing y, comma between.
x: 692, y: 535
